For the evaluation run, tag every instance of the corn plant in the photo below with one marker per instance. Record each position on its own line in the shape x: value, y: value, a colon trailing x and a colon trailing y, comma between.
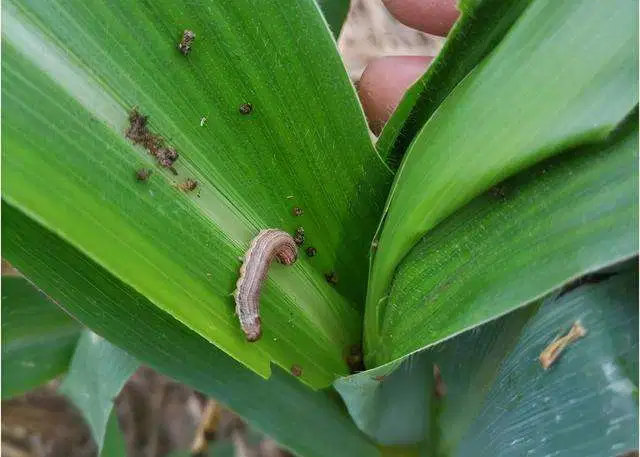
x: 466, y: 285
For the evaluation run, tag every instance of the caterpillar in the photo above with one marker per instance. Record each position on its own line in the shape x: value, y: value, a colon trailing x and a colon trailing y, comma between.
x: 265, y: 246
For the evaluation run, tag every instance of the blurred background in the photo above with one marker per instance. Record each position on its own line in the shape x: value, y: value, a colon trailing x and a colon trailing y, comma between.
x: 158, y: 416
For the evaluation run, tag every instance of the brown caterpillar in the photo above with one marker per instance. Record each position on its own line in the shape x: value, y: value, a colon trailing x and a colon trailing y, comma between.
x: 268, y: 244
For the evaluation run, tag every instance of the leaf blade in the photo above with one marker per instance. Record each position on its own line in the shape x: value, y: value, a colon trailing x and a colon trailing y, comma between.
x: 97, y: 374
x: 38, y: 339
x: 584, y: 393
x: 125, y: 318
x: 549, y: 225
x: 483, y: 24
x: 114, y: 443
x: 494, y: 386
x: 409, y: 385
x: 335, y: 13
x: 88, y: 67
x: 592, y: 94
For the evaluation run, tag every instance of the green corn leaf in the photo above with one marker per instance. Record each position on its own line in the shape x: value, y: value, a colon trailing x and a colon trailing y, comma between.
x: 97, y: 373
x: 71, y: 75
x: 335, y: 13
x: 494, y: 398
x: 394, y: 403
x: 38, y: 339
x: 125, y: 318
x: 479, y: 29
x: 114, y: 444
x: 587, y: 402
x: 38, y: 343
x: 548, y: 225
x: 564, y: 75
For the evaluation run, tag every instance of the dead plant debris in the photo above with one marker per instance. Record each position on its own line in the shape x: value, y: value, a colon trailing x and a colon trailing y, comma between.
x: 207, y: 428
x: 552, y: 352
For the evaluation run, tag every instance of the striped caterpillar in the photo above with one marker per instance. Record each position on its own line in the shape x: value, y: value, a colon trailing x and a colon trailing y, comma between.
x: 268, y: 244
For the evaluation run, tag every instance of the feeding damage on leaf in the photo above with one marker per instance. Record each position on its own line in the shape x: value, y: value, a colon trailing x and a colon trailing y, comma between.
x: 269, y: 244
x: 139, y: 133
x: 188, y: 185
